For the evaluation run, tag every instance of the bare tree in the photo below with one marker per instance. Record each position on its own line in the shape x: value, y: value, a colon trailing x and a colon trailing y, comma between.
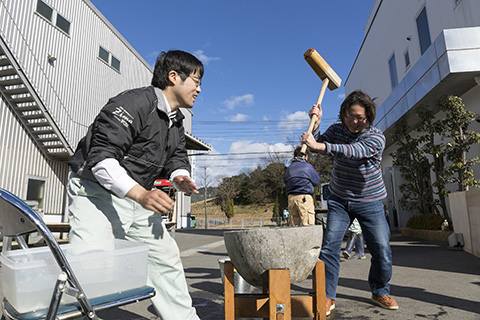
x: 229, y: 188
x: 207, y: 181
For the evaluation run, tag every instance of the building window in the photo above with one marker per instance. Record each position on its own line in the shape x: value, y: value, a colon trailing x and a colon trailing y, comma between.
x: 63, y: 24
x: 392, y: 65
x: 423, y: 31
x: 115, y: 63
x: 104, y: 55
x: 109, y: 59
x: 44, y: 10
x: 47, y: 12
x: 406, y: 55
x: 36, y: 191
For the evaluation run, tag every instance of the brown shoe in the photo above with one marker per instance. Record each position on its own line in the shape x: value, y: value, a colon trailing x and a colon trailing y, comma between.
x: 386, y: 302
x: 330, y: 306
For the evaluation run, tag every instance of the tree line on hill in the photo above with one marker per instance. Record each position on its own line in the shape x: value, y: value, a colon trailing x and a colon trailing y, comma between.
x: 264, y: 184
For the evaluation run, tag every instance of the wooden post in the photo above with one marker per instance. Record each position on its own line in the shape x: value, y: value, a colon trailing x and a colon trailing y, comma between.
x: 319, y: 294
x: 265, y: 291
x: 229, y: 291
x: 280, y: 303
x: 276, y: 302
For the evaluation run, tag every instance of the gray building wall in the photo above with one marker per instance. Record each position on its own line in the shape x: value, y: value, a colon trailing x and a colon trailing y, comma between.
x: 72, y: 83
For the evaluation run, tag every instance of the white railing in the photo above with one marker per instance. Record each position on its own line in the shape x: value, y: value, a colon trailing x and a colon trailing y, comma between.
x: 239, y: 223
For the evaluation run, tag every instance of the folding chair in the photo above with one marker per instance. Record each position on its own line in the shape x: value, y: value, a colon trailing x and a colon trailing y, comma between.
x: 17, y: 220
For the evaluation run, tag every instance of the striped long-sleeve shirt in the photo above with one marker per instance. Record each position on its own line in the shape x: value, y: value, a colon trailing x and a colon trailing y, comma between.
x: 356, y: 175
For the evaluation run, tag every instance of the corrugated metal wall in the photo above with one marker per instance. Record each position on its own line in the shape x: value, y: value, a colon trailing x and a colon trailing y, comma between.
x: 73, y: 89
x: 20, y: 159
x: 78, y: 83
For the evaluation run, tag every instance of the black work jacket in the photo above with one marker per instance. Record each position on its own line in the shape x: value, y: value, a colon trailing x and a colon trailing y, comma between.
x: 132, y: 129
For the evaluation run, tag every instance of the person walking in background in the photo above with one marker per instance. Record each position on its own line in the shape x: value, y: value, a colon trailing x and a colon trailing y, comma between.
x: 300, y: 179
x: 355, y: 239
x: 357, y: 190
x: 137, y: 137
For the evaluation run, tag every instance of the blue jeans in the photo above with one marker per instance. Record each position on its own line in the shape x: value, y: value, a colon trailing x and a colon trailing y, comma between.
x: 376, y: 232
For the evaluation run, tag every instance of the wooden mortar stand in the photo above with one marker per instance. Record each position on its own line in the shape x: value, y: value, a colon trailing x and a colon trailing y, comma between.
x: 276, y: 302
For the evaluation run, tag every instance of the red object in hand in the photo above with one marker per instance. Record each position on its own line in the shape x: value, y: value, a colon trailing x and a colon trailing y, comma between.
x: 166, y: 186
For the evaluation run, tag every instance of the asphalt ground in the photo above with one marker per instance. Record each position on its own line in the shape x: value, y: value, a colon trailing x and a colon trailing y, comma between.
x: 430, y: 281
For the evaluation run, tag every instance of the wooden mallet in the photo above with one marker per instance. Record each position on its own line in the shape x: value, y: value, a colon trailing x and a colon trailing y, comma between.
x: 329, y: 79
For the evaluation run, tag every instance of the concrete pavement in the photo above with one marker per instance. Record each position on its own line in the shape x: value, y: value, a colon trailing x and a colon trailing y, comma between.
x: 429, y: 281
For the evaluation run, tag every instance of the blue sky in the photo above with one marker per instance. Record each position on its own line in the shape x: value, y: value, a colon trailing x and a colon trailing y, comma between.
x: 257, y: 88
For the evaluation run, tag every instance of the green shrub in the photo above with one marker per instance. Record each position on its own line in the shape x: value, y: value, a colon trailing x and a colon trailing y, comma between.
x: 276, y: 209
x: 427, y: 221
x: 229, y: 208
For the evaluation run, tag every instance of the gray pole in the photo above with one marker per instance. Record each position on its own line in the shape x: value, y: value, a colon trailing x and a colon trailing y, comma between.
x: 205, y: 197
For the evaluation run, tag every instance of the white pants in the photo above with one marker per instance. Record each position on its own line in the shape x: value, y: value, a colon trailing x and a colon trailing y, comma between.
x: 96, y: 214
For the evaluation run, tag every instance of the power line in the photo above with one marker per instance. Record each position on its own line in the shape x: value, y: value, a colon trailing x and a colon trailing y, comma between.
x: 245, y: 126
x: 239, y: 154
x: 282, y: 131
x: 251, y: 140
x: 324, y: 119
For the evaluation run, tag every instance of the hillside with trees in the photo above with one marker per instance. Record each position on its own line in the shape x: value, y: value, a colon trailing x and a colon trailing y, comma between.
x: 264, y: 184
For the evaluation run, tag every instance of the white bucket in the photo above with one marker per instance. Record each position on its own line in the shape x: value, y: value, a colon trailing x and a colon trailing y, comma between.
x: 240, y: 285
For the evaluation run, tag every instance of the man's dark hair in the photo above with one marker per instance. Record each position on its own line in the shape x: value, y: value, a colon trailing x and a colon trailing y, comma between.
x: 298, y: 153
x: 363, y: 100
x: 182, y: 62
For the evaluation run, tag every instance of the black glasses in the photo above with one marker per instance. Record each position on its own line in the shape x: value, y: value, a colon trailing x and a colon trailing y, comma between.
x: 357, y: 118
x: 197, y: 80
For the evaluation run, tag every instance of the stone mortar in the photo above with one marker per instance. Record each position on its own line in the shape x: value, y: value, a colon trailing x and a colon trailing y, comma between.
x: 255, y: 251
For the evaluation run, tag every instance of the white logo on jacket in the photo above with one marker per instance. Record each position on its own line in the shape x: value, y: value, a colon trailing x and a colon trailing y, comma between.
x: 123, y: 116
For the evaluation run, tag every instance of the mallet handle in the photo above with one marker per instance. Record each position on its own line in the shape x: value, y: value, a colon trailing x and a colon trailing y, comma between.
x: 314, y: 117
x: 322, y: 91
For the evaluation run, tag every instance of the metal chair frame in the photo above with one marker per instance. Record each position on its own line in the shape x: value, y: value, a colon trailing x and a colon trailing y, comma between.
x: 17, y: 220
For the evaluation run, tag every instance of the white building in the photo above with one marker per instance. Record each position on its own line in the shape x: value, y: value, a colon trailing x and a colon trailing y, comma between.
x: 60, y: 61
x: 414, y: 52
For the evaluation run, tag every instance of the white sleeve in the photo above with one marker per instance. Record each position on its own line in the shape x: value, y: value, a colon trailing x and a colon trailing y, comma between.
x: 178, y: 172
x: 112, y: 176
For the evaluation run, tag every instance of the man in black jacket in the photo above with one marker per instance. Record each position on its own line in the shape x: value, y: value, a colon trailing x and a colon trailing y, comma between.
x: 137, y: 137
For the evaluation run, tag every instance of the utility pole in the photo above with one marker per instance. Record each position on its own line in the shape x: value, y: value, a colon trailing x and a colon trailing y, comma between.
x: 205, y: 196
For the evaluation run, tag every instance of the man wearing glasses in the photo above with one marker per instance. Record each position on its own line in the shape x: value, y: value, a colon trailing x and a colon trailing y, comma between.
x: 138, y: 137
x: 357, y: 191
